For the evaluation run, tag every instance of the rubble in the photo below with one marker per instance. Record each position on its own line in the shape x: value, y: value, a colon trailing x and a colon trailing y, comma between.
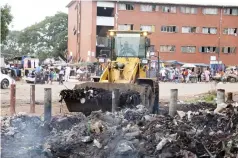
x: 129, y: 133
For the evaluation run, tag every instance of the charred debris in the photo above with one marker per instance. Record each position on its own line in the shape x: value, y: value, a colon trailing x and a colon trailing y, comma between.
x: 128, y: 133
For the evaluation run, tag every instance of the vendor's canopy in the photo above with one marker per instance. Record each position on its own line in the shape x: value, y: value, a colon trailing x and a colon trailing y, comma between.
x: 188, y: 66
x: 173, y: 62
x: 76, y: 64
x: 231, y: 67
x: 201, y: 65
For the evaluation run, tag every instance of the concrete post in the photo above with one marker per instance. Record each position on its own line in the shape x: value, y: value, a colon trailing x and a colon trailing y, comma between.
x: 13, y: 99
x: 173, y: 102
x: 156, y: 99
x: 47, y: 104
x: 146, y: 97
x: 32, y: 99
x: 115, y: 99
x: 230, y: 98
x: 220, y: 96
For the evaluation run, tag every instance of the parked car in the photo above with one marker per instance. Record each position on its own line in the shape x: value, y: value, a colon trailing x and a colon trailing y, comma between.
x: 6, y: 81
x: 31, y: 78
x: 232, y: 78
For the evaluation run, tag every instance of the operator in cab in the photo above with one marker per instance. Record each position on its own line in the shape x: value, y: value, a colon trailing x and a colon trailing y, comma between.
x: 127, y: 51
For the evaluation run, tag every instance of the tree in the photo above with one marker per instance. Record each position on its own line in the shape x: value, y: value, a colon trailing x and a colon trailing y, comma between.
x: 11, y: 45
x: 47, y: 38
x: 6, y: 19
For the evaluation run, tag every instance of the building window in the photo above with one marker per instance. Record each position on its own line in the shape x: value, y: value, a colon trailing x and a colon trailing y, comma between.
x: 167, y: 48
x: 168, y: 9
x: 209, y: 30
x: 125, y: 27
x: 208, y: 49
x: 126, y: 6
x: 231, y: 11
x: 148, y: 8
x: 211, y: 11
x: 188, y: 10
x: 169, y: 29
x: 190, y: 29
x: 230, y: 31
x: 188, y: 49
x: 228, y: 50
x: 149, y: 28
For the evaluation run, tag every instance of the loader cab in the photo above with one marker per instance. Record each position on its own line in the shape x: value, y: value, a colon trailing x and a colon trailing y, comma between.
x: 130, y: 44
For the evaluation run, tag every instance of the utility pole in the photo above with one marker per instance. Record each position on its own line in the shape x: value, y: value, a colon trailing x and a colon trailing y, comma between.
x: 219, y: 39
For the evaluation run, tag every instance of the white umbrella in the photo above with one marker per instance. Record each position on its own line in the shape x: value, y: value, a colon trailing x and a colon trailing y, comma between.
x: 188, y: 65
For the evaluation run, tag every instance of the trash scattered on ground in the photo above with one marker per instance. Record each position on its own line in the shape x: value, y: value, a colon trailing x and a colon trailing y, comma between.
x: 196, y: 131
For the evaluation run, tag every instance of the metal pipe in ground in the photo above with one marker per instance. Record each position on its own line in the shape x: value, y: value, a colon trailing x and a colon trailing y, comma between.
x: 47, y: 104
x: 32, y: 99
x: 220, y: 96
x: 115, y: 99
x: 13, y: 99
x: 173, y: 102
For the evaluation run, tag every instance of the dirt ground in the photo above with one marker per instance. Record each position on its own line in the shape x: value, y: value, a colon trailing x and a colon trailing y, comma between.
x: 186, y: 91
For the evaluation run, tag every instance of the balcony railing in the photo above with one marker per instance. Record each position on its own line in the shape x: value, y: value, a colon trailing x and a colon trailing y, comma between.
x: 105, y: 21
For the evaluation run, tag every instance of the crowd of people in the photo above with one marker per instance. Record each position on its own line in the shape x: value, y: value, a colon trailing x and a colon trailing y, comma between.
x: 47, y: 74
x: 186, y: 75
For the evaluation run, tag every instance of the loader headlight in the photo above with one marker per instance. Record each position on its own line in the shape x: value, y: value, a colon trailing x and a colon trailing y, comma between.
x: 145, y: 34
x: 111, y: 33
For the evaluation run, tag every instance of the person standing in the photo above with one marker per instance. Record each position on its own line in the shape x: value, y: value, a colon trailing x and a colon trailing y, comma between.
x: 61, y: 74
x: 199, y: 73
x: 235, y: 71
x: 67, y: 73
x: 176, y: 75
x: 188, y: 74
x: 51, y: 76
x: 163, y: 74
x: 46, y: 75
x: 207, y: 75
x: 37, y: 73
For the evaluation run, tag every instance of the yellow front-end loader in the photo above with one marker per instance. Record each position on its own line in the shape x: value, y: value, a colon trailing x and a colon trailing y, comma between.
x: 126, y: 70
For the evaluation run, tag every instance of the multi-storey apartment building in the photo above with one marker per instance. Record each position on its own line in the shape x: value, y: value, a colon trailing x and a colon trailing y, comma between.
x: 190, y: 33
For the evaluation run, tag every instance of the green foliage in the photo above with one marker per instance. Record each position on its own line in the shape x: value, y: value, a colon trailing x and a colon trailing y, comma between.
x: 6, y: 19
x: 47, y: 38
x: 208, y: 98
x: 11, y: 46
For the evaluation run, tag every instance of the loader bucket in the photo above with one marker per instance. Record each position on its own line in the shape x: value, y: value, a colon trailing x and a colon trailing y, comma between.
x: 102, y: 104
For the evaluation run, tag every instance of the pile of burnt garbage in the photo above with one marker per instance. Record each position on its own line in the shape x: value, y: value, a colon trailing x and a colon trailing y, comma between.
x: 129, y: 133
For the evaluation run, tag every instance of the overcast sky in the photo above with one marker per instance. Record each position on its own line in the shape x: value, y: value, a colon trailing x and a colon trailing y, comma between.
x: 28, y: 12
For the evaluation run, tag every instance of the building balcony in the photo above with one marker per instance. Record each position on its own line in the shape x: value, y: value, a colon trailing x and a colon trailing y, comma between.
x: 105, y: 21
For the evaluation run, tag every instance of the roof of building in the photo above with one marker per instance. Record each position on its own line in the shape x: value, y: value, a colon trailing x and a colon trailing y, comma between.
x: 221, y: 3
x: 71, y: 3
x: 217, y: 3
